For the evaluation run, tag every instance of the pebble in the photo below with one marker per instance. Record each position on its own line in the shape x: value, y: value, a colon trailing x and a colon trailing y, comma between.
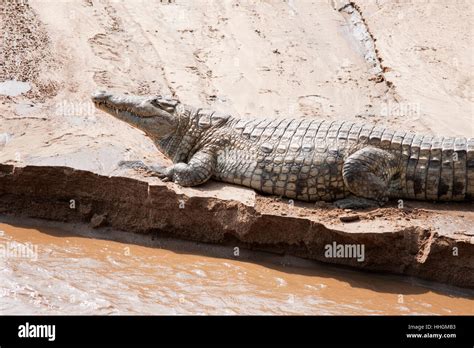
x: 349, y: 218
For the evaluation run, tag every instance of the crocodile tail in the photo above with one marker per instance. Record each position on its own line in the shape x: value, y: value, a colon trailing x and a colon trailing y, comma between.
x: 439, y: 168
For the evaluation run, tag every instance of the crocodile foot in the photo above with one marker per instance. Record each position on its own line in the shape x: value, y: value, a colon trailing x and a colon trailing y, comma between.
x: 159, y: 171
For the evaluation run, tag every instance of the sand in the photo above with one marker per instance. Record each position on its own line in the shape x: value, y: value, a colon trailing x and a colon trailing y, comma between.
x: 297, y: 58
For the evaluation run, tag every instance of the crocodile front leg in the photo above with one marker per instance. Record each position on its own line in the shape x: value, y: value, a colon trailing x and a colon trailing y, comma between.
x: 197, y: 171
x: 367, y: 174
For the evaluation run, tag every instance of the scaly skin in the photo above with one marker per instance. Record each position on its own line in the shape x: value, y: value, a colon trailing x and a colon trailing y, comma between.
x: 305, y: 159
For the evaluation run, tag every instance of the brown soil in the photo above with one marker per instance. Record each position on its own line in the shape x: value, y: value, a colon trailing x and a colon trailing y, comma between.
x: 145, y: 205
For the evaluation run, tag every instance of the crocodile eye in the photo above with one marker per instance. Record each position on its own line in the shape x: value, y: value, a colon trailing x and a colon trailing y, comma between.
x: 165, y: 104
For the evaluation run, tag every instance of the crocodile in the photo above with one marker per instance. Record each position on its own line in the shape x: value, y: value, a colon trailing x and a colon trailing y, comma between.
x: 351, y: 163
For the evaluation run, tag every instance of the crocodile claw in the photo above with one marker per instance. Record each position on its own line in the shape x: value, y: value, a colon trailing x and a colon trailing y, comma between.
x: 160, y: 172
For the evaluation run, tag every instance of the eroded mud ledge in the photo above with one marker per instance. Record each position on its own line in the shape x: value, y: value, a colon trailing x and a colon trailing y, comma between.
x: 146, y: 205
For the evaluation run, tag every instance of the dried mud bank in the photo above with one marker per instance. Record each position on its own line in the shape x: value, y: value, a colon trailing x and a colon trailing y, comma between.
x: 146, y: 205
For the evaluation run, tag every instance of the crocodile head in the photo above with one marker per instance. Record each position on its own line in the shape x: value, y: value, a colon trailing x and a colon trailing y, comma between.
x: 157, y: 116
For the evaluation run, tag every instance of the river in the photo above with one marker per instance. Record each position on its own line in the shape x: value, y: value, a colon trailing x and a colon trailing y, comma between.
x: 53, y: 268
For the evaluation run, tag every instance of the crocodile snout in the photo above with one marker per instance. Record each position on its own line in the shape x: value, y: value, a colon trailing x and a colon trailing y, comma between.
x: 128, y: 106
x: 100, y: 96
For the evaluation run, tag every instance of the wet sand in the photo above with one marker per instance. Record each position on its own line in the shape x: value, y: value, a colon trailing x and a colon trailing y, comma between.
x: 77, y: 271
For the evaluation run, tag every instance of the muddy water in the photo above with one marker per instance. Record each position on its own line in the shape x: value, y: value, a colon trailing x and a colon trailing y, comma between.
x: 59, y: 269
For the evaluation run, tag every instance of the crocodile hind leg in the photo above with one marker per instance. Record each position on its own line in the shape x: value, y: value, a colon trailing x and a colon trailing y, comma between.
x: 198, y: 170
x: 367, y: 174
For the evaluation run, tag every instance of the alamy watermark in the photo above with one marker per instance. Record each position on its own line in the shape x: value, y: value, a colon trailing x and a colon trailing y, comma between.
x: 18, y: 251
x: 28, y: 330
x: 335, y: 250
x: 76, y: 109
x: 409, y: 110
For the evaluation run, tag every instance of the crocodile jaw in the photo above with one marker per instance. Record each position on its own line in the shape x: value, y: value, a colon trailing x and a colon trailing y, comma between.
x: 156, y: 116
